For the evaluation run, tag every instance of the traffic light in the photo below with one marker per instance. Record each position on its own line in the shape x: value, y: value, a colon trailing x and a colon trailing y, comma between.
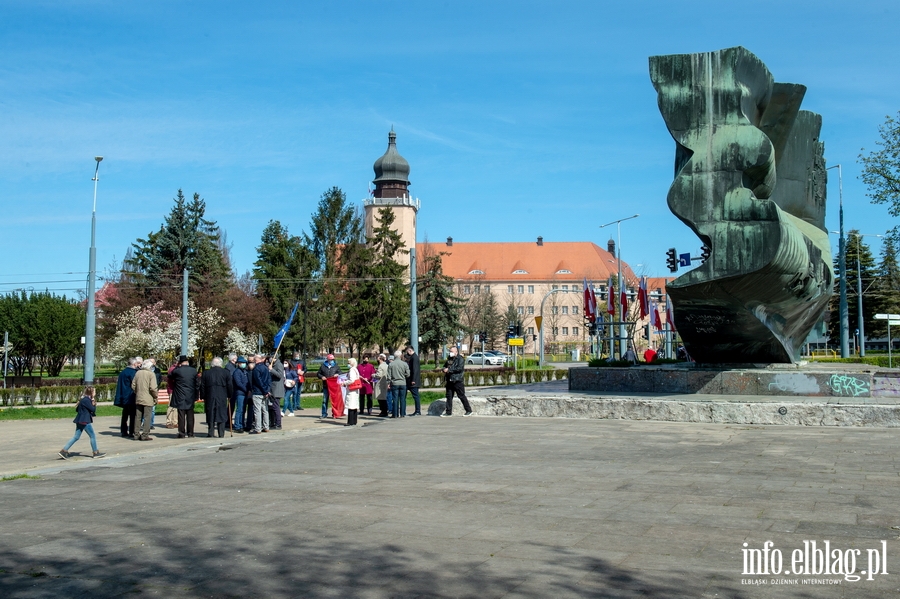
x: 518, y: 330
x: 510, y: 331
x: 672, y: 260
x: 705, y: 251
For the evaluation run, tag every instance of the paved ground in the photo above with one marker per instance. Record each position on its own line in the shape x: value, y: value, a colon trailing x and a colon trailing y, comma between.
x: 435, y: 507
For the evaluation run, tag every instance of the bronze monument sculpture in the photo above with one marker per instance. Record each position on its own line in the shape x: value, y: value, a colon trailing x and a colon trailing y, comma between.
x: 750, y: 182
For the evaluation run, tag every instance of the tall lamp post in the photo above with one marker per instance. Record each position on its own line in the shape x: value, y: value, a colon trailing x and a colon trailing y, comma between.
x: 859, y: 294
x: 842, y: 270
x: 90, y: 328
x: 618, y: 223
x: 306, y: 315
x: 541, y: 326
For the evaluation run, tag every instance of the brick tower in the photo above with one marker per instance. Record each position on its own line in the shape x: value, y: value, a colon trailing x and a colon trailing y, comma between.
x: 392, y: 191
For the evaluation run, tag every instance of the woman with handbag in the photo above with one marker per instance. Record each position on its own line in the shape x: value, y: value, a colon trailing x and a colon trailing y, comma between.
x: 290, y: 389
x: 354, y: 384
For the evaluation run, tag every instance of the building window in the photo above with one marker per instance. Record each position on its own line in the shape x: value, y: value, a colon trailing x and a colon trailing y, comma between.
x: 574, y: 309
x: 520, y: 310
x: 531, y: 309
x: 575, y: 331
x: 477, y: 288
x: 476, y: 272
x: 565, y: 330
x: 556, y: 330
x: 554, y: 286
x: 509, y: 289
x: 466, y: 289
x: 565, y: 309
x: 531, y: 289
x: 521, y: 289
x: 555, y: 310
x: 487, y: 288
x: 565, y: 287
x: 563, y: 271
x: 531, y: 330
x: 520, y: 272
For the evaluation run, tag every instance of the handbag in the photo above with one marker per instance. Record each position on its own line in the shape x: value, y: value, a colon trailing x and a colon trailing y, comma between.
x: 289, y: 383
x: 355, y: 385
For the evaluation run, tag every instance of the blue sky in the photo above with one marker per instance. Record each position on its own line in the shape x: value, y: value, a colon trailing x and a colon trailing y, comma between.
x: 518, y: 119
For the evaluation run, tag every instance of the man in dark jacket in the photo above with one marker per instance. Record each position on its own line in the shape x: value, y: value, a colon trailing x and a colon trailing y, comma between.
x: 260, y: 385
x: 276, y: 390
x: 453, y: 377
x: 241, y: 380
x: 183, y: 394
x: 125, y: 398
x: 328, y: 369
x: 216, y: 389
x: 415, y: 378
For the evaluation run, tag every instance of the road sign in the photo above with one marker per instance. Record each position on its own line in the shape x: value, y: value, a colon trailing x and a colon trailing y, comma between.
x: 684, y: 259
x: 538, y: 320
x: 888, y: 317
x: 516, y: 341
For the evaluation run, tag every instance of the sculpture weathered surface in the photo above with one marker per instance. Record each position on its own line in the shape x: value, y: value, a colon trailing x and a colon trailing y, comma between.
x: 750, y: 182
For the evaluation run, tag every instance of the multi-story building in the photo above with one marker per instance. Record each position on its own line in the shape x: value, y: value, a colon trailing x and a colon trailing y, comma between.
x: 525, y: 279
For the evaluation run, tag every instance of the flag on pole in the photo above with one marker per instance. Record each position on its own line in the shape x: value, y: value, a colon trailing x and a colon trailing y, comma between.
x: 644, y: 298
x: 654, y: 317
x: 611, y: 298
x: 624, y: 295
x: 588, y: 307
x: 594, y: 307
x: 670, y: 314
x: 284, y: 329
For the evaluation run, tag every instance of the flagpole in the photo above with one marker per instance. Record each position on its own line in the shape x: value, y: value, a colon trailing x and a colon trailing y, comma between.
x: 618, y: 224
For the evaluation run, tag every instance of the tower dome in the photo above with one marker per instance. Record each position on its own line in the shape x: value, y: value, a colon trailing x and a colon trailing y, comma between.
x: 392, y: 169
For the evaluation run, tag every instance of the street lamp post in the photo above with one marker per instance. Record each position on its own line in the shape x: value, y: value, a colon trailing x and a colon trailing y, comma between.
x: 91, y: 319
x: 541, y: 328
x: 618, y: 223
x: 306, y: 315
x: 859, y: 295
x: 842, y: 270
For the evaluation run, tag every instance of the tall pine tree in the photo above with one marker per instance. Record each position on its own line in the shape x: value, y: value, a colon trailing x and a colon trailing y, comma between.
x: 334, y: 227
x: 283, y: 272
x: 438, y: 307
x: 857, y: 252
x: 887, y: 287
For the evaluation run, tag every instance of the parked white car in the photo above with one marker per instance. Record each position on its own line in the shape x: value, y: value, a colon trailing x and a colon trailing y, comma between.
x: 485, y: 358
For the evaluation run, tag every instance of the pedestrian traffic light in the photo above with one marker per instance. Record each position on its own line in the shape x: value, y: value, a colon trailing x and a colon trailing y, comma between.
x: 672, y: 260
x: 534, y: 337
x: 518, y: 330
x: 705, y: 252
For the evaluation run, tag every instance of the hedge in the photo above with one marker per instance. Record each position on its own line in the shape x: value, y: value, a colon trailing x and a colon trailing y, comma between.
x: 52, y: 395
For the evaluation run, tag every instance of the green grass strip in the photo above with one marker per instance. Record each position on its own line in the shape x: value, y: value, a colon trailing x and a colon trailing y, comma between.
x: 18, y: 476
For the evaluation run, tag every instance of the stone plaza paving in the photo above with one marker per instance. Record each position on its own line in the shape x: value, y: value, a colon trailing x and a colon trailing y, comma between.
x: 475, y: 507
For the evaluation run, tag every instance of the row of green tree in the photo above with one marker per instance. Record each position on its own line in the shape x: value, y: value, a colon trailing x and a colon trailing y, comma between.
x: 44, y: 330
x: 350, y: 289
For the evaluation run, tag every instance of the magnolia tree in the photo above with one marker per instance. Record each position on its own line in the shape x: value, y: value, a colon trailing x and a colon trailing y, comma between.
x: 240, y: 343
x: 155, y: 331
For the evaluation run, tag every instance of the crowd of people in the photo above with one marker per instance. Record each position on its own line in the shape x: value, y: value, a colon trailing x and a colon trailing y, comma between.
x: 252, y: 394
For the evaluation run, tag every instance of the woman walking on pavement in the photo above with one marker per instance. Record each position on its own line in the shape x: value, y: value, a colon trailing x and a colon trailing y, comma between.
x: 84, y: 416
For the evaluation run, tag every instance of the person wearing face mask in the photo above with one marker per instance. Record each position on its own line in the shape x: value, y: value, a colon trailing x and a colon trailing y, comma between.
x: 290, y: 389
x: 453, y: 381
x: 241, y: 382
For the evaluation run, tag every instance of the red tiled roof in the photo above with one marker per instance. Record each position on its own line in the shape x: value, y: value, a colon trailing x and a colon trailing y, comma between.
x: 498, y: 260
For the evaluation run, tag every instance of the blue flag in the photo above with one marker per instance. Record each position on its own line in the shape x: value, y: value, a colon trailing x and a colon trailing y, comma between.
x: 284, y: 329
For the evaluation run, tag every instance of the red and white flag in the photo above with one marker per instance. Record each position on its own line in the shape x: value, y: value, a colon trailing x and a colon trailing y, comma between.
x: 594, y: 307
x: 654, y: 317
x: 588, y: 306
x: 670, y: 315
x: 644, y: 298
x: 611, y: 298
x: 623, y: 294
